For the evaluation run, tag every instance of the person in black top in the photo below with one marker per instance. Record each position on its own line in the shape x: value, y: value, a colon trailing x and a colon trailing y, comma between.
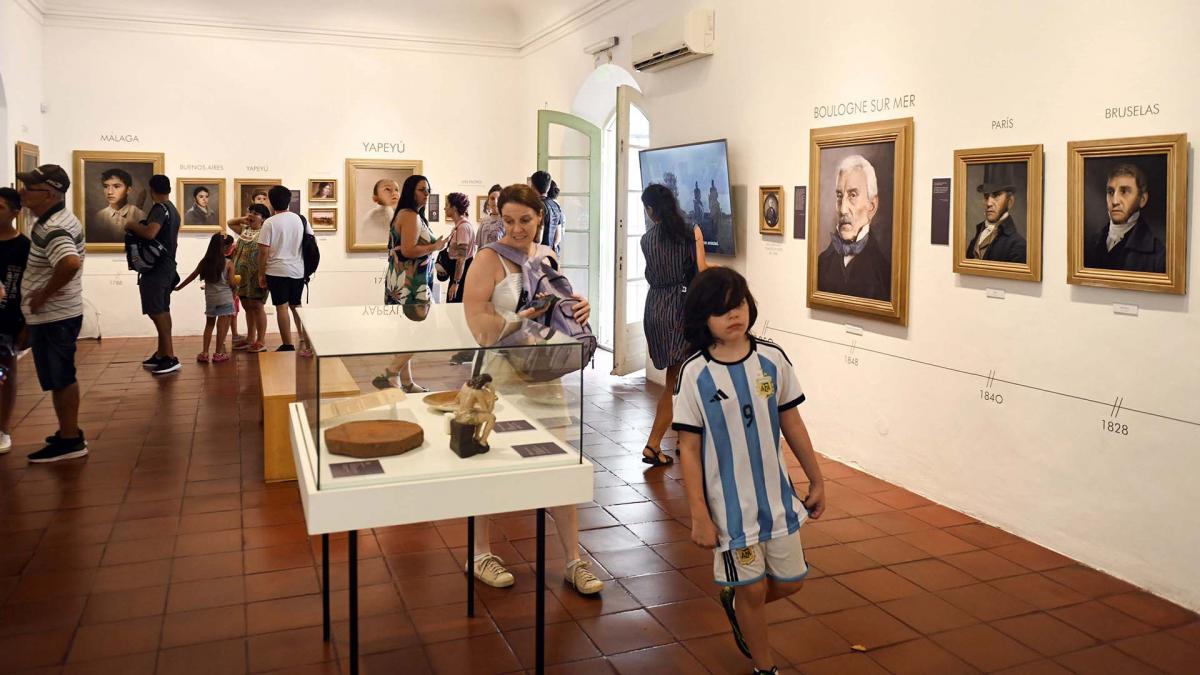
x: 14, y: 254
x: 162, y: 225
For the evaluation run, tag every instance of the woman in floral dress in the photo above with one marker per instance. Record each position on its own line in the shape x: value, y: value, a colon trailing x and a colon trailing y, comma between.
x: 409, y: 280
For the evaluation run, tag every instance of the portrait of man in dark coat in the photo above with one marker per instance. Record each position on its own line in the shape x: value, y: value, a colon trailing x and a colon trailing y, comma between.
x: 1128, y: 242
x: 997, y: 237
x: 854, y: 263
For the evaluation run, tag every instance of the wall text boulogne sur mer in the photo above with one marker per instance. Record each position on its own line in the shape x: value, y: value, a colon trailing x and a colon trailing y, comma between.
x: 866, y: 105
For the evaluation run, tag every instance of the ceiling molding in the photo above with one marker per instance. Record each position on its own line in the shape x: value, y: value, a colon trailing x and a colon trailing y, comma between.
x: 574, y: 22
x: 34, y: 8
x: 54, y: 14
x: 237, y: 30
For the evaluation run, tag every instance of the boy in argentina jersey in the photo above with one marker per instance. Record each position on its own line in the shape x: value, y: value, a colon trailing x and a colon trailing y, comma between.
x: 733, y: 400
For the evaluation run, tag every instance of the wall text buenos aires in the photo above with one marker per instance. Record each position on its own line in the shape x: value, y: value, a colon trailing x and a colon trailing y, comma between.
x: 864, y: 106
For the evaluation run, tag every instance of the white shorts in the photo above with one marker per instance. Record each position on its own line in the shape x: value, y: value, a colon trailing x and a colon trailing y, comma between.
x: 781, y: 559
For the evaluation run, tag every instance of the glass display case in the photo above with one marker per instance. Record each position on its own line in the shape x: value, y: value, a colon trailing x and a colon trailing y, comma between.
x: 503, y: 394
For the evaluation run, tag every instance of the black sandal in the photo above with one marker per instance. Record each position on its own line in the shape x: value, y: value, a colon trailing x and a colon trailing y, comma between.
x: 660, y: 458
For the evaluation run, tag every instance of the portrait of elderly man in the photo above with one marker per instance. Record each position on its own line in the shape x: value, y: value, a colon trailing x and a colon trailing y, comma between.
x: 200, y: 213
x: 997, y: 237
x: 854, y: 263
x: 1128, y: 242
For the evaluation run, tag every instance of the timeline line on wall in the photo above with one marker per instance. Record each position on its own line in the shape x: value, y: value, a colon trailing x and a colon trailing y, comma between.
x: 1117, y: 406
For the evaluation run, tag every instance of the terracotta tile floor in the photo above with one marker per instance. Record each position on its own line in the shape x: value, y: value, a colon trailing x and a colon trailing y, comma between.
x: 165, y: 552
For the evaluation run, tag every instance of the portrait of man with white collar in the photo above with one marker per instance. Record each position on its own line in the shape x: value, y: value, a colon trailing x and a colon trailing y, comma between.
x: 856, y: 262
x: 1129, y: 240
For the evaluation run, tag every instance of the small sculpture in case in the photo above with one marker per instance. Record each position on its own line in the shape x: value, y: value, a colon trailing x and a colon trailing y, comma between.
x: 473, y: 418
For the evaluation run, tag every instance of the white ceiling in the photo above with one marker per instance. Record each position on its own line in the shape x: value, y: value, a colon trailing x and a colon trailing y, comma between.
x: 507, y: 24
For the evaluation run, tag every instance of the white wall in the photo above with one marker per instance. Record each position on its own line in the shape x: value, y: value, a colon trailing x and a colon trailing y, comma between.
x: 21, y: 73
x: 300, y: 110
x: 1038, y: 465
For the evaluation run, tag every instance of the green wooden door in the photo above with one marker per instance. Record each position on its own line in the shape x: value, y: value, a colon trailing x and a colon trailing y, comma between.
x: 569, y: 148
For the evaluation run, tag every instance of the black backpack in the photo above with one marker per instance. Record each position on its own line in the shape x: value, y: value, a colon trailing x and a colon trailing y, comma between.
x: 144, y: 255
x: 309, y: 251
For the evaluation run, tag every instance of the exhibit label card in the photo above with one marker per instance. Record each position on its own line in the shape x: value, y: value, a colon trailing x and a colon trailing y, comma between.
x: 801, y: 208
x: 940, y: 218
x: 539, y: 449
x: 513, y: 425
x: 365, y: 467
x: 559, y: 422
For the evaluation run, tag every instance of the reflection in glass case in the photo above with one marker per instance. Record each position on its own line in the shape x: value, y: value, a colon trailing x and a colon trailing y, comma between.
x: 503, y: 394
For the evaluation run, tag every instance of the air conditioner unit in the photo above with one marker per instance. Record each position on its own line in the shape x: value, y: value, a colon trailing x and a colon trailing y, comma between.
x: 677, y: 41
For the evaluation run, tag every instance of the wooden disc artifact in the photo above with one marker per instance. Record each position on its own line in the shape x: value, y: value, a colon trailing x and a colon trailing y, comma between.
x: 366, y: 439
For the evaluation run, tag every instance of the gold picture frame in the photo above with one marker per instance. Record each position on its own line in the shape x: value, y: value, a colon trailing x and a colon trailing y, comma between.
x: 27, y: 156
x: 103, y: 229
x: 878, y: 286
x: 1152, y: 256
x: 1008, y: 177
x: 323, y: 218
x: 244, y: 189
x: 365, y: 226
x: 188, y: 202
x: 316, y: 190
x: 770, y: 209
x: 480, y: 204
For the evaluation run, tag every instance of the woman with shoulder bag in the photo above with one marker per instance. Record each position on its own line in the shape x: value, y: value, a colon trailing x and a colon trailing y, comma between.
x: 462, y: 243
x: 496, y: 286
x: 409, y: 279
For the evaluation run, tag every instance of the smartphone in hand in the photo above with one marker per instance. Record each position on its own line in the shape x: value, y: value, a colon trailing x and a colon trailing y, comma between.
x: 543, y: 302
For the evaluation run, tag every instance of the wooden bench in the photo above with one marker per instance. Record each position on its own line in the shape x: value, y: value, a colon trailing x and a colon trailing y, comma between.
x: 277, y: 371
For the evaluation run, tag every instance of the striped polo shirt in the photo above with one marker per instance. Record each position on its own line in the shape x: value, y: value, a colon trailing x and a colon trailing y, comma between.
x: 735, y: 407
x: 56, y: 235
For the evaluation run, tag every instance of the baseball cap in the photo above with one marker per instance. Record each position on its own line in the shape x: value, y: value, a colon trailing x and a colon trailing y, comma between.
x: 50, y: 174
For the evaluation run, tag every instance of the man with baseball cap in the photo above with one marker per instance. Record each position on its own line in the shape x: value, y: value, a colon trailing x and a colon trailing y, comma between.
x: 52, y: 300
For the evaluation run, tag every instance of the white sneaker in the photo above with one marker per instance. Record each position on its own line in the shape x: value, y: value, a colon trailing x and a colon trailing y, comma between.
x: 5, y: 443
x: 579, y: 576
x: 490, y: 570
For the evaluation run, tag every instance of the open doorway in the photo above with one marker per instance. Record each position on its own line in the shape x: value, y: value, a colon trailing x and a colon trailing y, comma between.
x: 596, y: 102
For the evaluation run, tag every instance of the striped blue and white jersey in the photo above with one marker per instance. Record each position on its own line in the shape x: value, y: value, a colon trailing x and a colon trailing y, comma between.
x: 735, y: 407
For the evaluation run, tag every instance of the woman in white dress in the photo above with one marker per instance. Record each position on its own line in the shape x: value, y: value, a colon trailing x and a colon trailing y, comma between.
x: 494, y: 288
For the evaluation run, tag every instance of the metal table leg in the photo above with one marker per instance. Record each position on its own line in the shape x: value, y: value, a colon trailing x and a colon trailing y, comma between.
x: 325, y: 585
x: 540, y: 621
x: 353, y: 591
x: 470, y: 566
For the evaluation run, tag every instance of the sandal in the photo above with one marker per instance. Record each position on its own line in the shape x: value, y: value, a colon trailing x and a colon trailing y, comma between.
x: 220, y: 357
x: 413, y: 388
x: 384, y: 381
x: 659, y: 458
x: 202, y: 358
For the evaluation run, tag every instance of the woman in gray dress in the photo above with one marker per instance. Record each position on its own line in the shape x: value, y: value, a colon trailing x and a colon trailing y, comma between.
x: 674, y: 254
